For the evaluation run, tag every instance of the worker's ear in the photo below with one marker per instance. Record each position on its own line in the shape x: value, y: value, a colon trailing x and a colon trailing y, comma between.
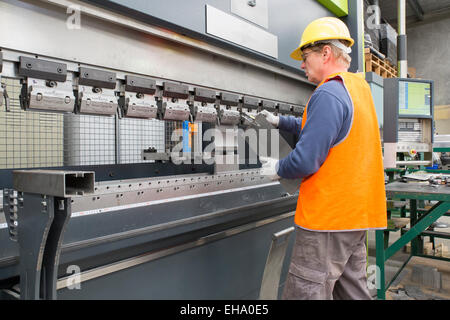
x: 326, y: 53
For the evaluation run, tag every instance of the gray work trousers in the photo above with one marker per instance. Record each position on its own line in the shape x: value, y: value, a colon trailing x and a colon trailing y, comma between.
x: 328, y: 266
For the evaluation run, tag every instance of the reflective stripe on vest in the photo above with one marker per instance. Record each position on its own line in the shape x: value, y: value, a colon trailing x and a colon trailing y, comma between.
x: 348, y: 192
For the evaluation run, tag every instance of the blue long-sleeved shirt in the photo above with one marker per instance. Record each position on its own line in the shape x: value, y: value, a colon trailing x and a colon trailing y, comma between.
x: 330, y: 114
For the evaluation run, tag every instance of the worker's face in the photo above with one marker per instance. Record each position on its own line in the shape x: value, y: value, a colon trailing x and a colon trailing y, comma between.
x: 312, y: 64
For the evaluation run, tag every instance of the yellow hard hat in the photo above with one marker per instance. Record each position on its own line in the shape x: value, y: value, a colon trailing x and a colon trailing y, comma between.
x: 327, y: 28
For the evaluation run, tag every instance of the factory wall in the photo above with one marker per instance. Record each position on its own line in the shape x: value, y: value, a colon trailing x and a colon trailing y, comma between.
x: 428, y: 48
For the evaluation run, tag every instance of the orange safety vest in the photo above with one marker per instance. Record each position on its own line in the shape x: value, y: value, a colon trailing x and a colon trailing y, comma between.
x: 347, y: 192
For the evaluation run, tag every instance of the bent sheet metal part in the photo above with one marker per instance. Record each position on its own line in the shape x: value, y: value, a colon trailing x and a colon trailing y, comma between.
x: 291, y: 186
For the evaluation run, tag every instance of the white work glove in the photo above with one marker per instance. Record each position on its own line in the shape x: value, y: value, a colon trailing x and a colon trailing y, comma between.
x: 269, y: 168
x: 271, y: 118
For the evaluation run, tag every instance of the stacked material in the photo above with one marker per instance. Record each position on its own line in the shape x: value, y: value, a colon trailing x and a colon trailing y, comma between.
x: 388, y: 42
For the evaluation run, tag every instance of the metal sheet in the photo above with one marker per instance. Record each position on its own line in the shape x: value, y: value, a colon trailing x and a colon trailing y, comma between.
x: 228, y: 27
x: 291, y: 186
x: 274, y: 263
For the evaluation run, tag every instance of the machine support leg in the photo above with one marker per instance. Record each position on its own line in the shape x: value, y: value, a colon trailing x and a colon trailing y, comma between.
x: 41, y: 222
x: 380, y: 260
x: 53, y: 248
x: 34, y: 221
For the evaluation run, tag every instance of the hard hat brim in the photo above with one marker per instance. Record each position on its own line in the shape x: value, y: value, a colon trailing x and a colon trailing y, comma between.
x: 297, y: 53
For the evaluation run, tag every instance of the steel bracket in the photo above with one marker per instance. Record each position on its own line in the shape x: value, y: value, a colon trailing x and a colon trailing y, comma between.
x: 97, y: 78
x: 42, y: 69
x: 229, y: 116
x: 174, y: 109
x: 284, y: 108
x: 175, y: 90
x: 204, y: 95
x: 44, y: 95
x: 250, y: 103
x: 96, y: 101
x: 204, y: 112
x: 229, y: 99
x: 268, y: 105
x: 297, y: 110
x: 140, y: 85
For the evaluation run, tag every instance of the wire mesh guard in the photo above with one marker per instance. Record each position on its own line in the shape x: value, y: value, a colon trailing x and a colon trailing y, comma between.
x: 30, y: 139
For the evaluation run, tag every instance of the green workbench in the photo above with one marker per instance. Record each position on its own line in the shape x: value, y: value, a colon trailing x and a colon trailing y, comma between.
x: 413, y: 192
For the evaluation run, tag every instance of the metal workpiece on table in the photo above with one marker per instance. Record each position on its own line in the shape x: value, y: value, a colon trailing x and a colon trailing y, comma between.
x: 56, y: 183
x: 418, y: 191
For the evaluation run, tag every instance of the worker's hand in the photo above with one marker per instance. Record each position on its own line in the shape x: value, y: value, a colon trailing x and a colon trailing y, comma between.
x: 269, y: 168
x: 271, y: 118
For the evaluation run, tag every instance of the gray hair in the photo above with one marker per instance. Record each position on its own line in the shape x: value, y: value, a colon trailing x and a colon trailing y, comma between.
x: 340, y: 51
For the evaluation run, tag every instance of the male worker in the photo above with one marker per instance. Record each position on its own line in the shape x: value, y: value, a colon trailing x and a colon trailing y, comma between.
x: 339, y: 157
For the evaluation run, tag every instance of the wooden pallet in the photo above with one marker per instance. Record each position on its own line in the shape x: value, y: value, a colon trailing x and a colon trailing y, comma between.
x: 381, y: 67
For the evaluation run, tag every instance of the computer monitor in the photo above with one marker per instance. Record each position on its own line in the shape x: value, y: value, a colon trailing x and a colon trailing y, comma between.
x: 407, y: 120
x: 414, y: 98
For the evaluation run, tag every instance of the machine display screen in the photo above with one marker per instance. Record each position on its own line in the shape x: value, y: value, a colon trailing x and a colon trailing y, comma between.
x: 414, y: 98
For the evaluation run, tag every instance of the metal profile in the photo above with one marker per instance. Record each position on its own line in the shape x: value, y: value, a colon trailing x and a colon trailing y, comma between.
x: 54, y: 182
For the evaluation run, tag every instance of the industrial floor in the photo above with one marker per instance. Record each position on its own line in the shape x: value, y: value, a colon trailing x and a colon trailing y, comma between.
x: 417, y: 281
